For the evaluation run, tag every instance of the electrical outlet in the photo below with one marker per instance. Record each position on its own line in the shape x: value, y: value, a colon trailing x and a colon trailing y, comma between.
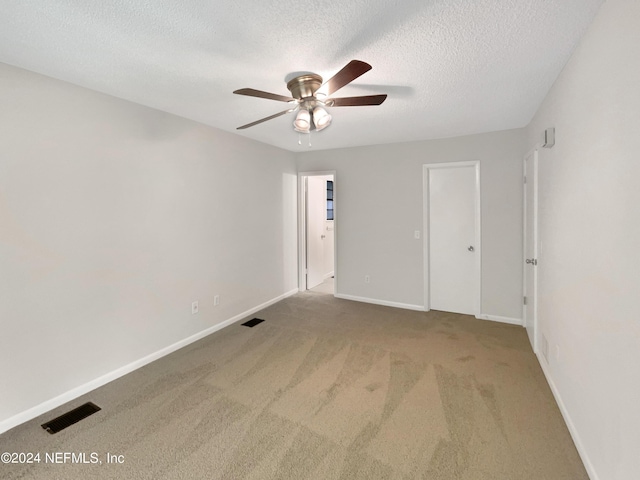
x: 216, y: 300
x: 367, y: 279
x: 194, y: 307
x: 416, y: 234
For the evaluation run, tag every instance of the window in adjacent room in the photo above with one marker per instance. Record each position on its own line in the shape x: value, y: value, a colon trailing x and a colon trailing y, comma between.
x: 329, y: 200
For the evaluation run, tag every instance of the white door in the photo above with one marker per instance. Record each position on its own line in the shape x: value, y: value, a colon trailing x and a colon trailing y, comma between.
x: 453, y: 239
x: 530, y: 245
x: 316, y: 216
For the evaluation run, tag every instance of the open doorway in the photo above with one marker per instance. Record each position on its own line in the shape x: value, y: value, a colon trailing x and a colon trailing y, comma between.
x: 317, y: 219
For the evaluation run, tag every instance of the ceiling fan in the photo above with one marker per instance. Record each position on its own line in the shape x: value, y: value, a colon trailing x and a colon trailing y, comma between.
x: 309, y: 97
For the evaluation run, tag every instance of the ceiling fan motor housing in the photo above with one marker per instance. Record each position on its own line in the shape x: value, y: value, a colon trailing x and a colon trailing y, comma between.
x: 304, y: 86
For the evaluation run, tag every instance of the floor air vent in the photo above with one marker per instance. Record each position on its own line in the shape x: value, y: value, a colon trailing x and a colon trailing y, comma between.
x: 69, y: 418
x: 253, y: 322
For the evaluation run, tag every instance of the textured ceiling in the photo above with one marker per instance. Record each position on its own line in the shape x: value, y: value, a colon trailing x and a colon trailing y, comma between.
x: 450, y: 67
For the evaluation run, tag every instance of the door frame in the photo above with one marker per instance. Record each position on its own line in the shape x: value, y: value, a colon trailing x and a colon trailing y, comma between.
x: 302, y: 228
x: 426, y: 168
x: 534, y: 321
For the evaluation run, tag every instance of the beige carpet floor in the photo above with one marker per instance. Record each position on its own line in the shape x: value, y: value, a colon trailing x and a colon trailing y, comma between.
x: 323, y: 389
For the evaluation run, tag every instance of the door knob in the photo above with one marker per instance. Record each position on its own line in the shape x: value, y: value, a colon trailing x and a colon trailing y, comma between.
x: 471, y: 249
x: 323, y: 236
x: 532, y: 261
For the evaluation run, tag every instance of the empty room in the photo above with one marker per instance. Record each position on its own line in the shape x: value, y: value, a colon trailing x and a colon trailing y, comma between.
x: 320, y: 240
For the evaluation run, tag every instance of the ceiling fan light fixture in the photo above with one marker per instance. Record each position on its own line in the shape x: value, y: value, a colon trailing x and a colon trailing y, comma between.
x: 309, y: 96
x: 321, y: 119
x: 302, y: 123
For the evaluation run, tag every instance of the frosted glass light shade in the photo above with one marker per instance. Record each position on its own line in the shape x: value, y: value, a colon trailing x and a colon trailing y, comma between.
x: 321, y: 118
x: 302, y: 123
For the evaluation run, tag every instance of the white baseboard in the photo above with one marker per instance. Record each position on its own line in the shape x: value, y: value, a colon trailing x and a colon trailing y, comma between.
x: 567, y: 419
x: 381, y: 302
x: 497, y: 318
x: 74, y: 393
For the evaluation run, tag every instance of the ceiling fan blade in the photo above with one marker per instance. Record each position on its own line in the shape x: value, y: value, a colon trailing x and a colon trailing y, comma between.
x: 265, y: 119
x: 260, y: 94
x: 348, y: 74
x: 356, y: 101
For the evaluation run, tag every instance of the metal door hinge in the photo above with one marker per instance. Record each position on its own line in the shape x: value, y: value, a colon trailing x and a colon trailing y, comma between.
x: 524, y: 300
x: 525, y: 179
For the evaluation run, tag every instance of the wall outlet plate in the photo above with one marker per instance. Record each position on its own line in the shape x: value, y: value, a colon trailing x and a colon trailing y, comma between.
x: 194, y: 307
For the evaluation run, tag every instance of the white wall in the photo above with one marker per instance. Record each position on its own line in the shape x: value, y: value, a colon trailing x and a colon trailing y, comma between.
x: 380, y: 207
x: 113, y: 218
x: 329, y: 249
x: 589, y: 261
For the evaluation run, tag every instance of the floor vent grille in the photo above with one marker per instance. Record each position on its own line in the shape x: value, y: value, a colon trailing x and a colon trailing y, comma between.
x: 253, y: 322
x: 69, y: 418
